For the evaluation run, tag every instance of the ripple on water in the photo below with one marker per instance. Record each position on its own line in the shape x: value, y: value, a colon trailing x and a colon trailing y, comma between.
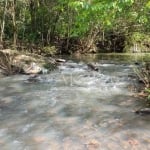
x: 81, y: 109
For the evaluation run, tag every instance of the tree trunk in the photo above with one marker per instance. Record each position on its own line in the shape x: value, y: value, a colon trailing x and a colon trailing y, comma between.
x: 14, y: 24
x: 33, y: 15
x: 3, y: 23
x: 68, y: 27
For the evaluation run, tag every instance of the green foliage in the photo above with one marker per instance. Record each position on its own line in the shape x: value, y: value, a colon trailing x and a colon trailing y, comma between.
x: 49, y: 50
x: 141, y: 40
x: 148, y: 91
x: 140, y: 37
x: 41, y: 22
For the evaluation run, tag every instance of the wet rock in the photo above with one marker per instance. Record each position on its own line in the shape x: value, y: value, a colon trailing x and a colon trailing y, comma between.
x: 34, y: 78
x: 59, y: 60
x: 108, y: 81
x: 33, y: 68
x: 133, y: 76
x: 137, y: 63
x: 143, y: 111
x: 92, y: 66
x: 44, y: 71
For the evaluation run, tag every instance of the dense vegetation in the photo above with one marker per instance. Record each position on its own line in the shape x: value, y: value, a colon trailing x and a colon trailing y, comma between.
x: 74, y: 25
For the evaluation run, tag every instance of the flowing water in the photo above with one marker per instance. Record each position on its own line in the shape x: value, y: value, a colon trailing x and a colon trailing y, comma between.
x: 73, y: 108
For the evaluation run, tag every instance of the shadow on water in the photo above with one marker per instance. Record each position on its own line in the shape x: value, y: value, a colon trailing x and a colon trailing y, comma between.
x: 74, y: 108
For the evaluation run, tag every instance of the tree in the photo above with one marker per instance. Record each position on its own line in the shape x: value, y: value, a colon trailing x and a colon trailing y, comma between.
x: 14, y: 23
x: 69, y: 22
x: 3, y: 21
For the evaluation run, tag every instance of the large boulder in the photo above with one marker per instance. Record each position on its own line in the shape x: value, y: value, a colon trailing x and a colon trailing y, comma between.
x: 32, y: 68
x: 92, y: 67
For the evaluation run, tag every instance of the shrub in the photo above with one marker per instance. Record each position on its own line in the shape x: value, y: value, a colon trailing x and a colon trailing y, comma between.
x: 49, y: 50
x: 143, y: 74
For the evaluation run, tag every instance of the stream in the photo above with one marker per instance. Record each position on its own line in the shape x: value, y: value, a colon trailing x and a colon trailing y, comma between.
x: 74, y: 108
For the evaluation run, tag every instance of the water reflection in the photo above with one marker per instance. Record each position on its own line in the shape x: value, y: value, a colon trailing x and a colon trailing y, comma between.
x: 73, y: 107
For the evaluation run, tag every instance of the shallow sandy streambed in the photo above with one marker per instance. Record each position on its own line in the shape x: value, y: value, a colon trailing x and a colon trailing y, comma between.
x: 73, y: 108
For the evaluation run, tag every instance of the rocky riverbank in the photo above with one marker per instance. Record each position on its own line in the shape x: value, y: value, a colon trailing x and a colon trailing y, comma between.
x: 13, y: 62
